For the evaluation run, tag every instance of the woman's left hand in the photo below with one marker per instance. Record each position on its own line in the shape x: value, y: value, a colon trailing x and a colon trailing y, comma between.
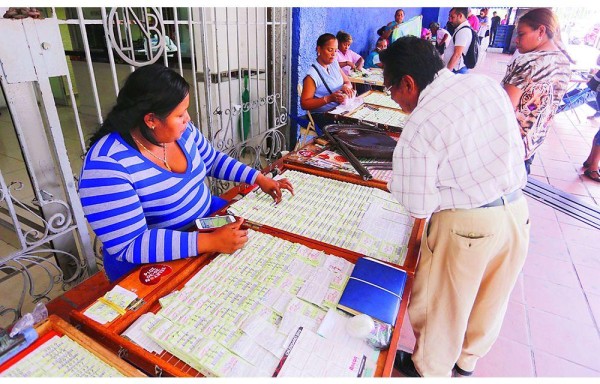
x: 347, y: 89
x: 274, y: 187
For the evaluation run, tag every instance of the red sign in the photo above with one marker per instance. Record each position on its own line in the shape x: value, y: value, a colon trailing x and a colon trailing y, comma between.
x: 151, y: 274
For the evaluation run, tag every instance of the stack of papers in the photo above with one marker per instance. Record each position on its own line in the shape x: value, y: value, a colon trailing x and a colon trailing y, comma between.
x: 235, y: 316
x: 333, y: 212
x: 60, y: 356
x: 113, y: 304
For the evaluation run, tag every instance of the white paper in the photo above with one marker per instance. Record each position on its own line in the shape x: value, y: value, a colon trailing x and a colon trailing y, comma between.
x: 384, y: 224
x: 135, y: 333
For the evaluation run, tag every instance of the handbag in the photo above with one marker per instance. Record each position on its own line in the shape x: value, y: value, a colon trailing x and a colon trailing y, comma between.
x: 364, y: 141
x: 594, y: 83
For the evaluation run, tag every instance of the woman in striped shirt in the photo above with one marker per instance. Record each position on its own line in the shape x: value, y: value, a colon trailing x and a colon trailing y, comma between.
x: 142, y: 181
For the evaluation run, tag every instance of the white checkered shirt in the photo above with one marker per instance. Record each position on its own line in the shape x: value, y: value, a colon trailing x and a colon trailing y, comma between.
x: 460, y: 147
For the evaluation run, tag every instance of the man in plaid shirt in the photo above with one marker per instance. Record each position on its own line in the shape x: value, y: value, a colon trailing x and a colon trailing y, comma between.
x: 459, y: 162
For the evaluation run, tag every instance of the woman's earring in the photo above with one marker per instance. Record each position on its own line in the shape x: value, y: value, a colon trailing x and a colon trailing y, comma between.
x: 152, y: 127
x: 539, y: 38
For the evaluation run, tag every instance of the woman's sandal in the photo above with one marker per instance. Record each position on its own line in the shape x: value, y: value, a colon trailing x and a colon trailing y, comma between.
x: 594, y: 175
x: 586, y: 164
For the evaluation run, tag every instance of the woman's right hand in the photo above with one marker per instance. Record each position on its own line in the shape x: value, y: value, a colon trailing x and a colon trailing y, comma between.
x: 337, y: 96
x: 226, y: 239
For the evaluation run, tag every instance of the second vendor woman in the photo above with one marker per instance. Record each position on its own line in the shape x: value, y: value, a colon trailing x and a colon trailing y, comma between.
x: 325, y: 85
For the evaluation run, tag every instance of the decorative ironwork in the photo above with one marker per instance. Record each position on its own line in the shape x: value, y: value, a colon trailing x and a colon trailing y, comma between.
x: 120, y: 22
x: 266, y: 146
x: 36, y: 252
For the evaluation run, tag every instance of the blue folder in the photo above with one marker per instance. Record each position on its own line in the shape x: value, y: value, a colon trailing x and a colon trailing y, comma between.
x: 375, y: 289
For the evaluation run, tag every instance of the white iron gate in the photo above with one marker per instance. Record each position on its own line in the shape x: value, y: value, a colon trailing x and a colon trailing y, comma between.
x: 236, y: 60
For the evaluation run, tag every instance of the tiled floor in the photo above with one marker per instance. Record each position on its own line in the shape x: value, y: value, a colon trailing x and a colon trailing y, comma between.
x: 551, y: 328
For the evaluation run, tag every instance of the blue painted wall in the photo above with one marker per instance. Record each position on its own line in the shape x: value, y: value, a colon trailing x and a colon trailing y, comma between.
x: 429, y: 15
x: 362, y: 23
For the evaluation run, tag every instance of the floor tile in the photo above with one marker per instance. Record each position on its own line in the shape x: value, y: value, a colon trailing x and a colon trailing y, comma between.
x: 594, y: 301
x: 572, y: 340
x: 552, y: 270
x: 556, y: 164
x: 538, y: 209
x: 570, y: 183
x: 549, y: 246
x: 542, y: 179
x: 557, y: 299
x: 589, y: 278
x: 583, y: 255
x: 547, y: 365
x: 518, y: 292
x: 568, y: 219
x: 537, y: 170
x: 515, y: 325
x: 507, y: 358
x: 546, y: 227
x: 575, y: 235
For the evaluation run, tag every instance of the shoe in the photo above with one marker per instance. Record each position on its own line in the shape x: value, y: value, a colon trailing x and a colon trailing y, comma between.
x: 592, y: 174
x: 404, y: 364
x: 459, y: 372
x: 594, y: 116
x: 586, y: 164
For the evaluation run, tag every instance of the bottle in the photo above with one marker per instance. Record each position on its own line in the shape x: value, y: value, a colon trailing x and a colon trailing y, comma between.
x: 246, y: 119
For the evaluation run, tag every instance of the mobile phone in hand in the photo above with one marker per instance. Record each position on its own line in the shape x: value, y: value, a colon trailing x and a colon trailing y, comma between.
x: 206, y: 224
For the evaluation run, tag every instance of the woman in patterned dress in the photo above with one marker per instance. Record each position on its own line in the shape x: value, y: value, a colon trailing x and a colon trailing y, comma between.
x: 537, y: 79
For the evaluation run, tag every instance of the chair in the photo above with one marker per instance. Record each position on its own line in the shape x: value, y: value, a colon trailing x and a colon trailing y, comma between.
x: 307, y: 128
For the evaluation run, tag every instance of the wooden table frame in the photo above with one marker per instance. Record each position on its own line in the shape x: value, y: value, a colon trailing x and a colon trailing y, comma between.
x: 85, y: 294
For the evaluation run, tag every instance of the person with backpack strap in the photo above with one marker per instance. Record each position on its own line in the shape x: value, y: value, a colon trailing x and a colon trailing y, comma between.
x: 461, y: 53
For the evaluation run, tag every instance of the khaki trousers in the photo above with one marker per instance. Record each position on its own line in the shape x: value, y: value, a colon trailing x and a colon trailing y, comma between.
x: 470, y: 261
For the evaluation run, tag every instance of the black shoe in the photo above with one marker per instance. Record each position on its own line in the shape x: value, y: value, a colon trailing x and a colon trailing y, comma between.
x: 461, y: 372
x: 404, y: 364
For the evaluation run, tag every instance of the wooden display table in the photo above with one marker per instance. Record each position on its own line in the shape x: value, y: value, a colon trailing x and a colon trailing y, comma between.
x: 55, y: 326
x: 165, y: 364
x: 378, y: 111
x: 371, y: 76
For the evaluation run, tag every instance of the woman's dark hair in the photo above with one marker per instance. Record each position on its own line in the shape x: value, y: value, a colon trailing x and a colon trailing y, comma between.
x: 150, y: 89
x: 343, y: 37
x: 381, y: 30
x: 410, y: 55
x: 324, y: 38
x: 544, y: 16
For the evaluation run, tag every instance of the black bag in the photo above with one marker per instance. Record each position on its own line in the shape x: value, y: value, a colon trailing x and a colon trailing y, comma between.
x: 472, y: 54
x: 594, y: 82
x: 441, y: 48
x: 363, y: 141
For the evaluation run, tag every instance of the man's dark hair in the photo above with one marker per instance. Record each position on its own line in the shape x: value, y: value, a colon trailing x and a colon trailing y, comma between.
x: 381, y: 30
x: 464, y: 11
x: 412, y: 56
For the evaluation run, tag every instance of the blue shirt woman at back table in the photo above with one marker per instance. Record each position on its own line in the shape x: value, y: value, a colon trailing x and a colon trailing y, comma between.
x: 325, y: 85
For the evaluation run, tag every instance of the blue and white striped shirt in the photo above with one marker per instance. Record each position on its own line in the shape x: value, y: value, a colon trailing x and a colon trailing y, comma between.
x: 140, y: 210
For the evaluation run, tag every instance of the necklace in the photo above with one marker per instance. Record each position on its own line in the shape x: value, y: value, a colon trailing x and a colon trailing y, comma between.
x: 164, y: 159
